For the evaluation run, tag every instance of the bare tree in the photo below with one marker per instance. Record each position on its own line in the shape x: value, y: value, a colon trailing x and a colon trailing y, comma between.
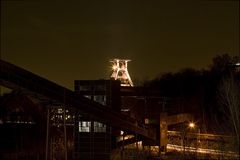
x: 229, y: 101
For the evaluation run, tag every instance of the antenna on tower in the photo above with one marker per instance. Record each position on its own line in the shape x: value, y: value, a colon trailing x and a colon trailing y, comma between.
x: 120, y: 71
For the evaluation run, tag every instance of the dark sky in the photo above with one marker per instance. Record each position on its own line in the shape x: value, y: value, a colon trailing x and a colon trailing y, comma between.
x: 68, y: 40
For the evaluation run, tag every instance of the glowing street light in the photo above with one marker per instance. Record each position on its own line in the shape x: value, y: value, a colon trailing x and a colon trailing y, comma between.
x: 191, y: 125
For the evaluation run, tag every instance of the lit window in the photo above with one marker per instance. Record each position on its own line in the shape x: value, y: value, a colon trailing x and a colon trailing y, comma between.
x: 99, y: 127
x: 87, y: 96
x: 84, y: 126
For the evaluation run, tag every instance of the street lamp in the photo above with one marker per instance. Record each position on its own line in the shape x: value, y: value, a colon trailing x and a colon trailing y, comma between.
x: 191, y: 125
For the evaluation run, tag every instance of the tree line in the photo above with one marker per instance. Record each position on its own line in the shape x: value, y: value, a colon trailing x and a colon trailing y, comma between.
x: 212, y: 95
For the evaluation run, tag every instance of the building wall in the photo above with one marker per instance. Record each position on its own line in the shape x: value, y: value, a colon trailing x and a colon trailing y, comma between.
x: 93, y: 140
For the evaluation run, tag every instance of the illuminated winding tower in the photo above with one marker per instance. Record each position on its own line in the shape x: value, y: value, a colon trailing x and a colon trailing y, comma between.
x: 120, y: 71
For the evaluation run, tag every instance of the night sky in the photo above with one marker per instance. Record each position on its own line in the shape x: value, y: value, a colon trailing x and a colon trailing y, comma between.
x: 67, y: 40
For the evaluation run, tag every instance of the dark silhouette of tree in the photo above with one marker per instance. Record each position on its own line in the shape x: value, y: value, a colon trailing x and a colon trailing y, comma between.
x: 229, y: 102
x: 195, y: 91
x: 220, y: 63
x: 221, y: 69
x: 184, y: 83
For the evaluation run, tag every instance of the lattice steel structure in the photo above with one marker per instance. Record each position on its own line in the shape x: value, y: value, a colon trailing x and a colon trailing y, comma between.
x: 120, y: 71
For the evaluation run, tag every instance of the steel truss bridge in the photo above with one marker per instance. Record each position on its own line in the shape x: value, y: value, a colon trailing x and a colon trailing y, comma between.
x: 14, y: 77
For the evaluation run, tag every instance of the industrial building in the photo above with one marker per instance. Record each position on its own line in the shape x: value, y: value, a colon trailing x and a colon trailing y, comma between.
x: 94, y: 139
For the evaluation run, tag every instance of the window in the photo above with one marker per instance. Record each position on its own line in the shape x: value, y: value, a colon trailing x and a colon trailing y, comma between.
x: 84, y: 126
x: 87, y: 96
x: 99, y: 127
x: 99, y: 88
x: 86, y: 87
x: 100, y: 99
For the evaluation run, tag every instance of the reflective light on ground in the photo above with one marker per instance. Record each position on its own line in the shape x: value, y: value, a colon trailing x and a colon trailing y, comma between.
x: 201, y: 150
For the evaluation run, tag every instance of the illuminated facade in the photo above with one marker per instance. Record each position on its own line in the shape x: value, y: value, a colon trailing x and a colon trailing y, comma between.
x: 120, y: 71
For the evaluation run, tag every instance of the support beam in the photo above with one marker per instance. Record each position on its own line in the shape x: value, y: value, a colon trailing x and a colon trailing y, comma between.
x: 17, y: 78
x: 179, y: 118
x: 164, y: 122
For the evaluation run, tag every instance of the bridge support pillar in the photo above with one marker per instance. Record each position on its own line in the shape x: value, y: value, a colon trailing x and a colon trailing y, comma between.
x: 163, y: 133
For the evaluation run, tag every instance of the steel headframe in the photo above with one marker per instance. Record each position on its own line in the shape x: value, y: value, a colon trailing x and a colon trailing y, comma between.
x: 120, y: 71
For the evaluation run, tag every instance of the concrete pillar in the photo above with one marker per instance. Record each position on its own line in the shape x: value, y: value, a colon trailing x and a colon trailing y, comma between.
x: 163, y: 133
